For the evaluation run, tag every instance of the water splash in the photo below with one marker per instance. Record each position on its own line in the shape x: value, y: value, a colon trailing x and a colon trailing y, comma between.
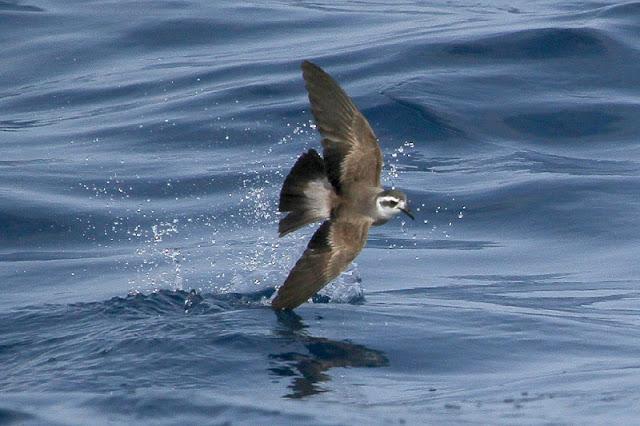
x: 347, y: 288
x: 160, y: 266
x: 391, y: 171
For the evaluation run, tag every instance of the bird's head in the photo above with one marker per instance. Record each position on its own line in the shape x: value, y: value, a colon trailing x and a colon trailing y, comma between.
x: 390, y: 202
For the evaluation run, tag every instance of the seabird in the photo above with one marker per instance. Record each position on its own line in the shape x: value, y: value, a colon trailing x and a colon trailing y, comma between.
x: 341, y: 188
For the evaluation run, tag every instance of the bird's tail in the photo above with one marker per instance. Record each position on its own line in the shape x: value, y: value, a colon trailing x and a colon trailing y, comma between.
x: 306, y: 194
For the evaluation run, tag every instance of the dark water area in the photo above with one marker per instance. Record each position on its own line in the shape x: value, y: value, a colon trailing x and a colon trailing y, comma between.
x: 142, y: 148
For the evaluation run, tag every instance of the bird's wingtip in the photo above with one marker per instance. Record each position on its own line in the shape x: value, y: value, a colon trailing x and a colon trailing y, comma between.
x: 278, y: 305
x: 310, y: 67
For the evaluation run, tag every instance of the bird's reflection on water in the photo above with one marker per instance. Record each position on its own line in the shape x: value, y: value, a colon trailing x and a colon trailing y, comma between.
x: 309, y: 369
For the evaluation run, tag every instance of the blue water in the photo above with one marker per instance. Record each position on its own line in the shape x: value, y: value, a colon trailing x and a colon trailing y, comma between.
x: 143, y: 145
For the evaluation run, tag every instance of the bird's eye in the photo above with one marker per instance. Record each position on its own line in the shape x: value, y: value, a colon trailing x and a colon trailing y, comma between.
x: 393, y: 203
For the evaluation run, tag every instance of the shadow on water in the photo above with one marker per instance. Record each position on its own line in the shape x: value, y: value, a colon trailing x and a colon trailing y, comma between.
x: 308, y: 370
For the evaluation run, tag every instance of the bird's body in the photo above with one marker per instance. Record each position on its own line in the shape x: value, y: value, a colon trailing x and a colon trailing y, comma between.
x: 341, y: 188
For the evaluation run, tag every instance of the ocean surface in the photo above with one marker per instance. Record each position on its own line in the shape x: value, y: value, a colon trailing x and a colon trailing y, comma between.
x: 142, y: 149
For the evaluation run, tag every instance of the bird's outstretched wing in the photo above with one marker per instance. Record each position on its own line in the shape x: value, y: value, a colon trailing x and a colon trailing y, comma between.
x: 331, y: 249
x: 351, y: 152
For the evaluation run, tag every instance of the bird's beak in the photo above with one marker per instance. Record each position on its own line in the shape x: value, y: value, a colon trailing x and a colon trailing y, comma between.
x: 406, y: 210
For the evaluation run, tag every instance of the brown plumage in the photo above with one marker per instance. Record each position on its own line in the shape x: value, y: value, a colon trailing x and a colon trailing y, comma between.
x: 351, y: 150
x: 343, y: 186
